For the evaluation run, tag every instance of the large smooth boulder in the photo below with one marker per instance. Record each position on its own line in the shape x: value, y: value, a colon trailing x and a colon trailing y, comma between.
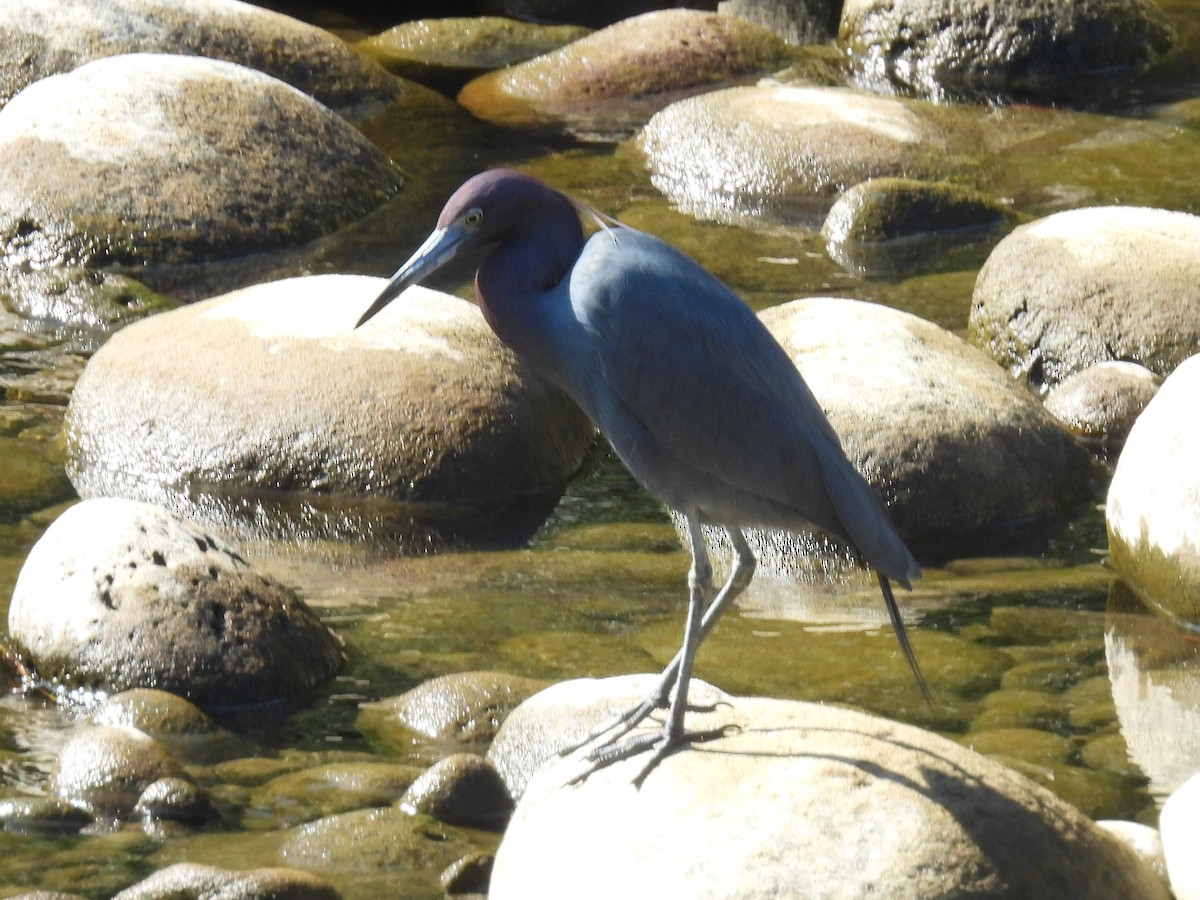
x: 266, y: 411
x: 803, y: 800
x: 119, y: 594
x: 1180, y: 823
x: 784, y: 152
x: 958, y: 450
x: 183, y: 881
x: 610, y: 82
x: 1029, y: 48
x: 151, y: 161
x: 39, y: 39
x: 1091, y: 285
x: 1153, y: 510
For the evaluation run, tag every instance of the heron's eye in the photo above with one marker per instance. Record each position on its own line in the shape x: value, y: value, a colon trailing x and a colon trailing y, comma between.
x: 473, y: 216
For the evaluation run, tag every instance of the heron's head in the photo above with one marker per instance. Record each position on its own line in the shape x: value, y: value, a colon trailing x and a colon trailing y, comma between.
x: 486, y: 210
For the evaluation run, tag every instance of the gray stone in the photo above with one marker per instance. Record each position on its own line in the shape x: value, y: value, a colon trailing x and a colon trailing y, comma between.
x: 119, y: 594
x: 609, y: 83
x: 150, y: 161
x: 1099, y: 404
x: 1153, y: 510
x: 417, y: 430
x: 804, y: 800
x: 1026, y: 48
x: 784, y: 153
x: 1091, y: 285
x: 174, y: 799
x: 191, y: 881
x: 461, y: 789
x: 42, y: 816
x: 104, y: 770
x: 956, y: 448
x: 465, y: 708
x: 40, y: 39
x: 1179, y: 824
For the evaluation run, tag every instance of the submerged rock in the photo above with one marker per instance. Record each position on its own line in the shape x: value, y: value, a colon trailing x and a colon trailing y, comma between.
x: 886, y: 226
x: 104, y: 770
x: 192, y: 880
x: 784, y: 153
x: 40, y: 39
x: 464, y: 708
x: 1153, y: 511
x: 1087, y: 286
x: 28, y: 480
x: 1034, y: 49
x: 445, y: 53
x: 799, y: 800
x: 610, y: 82
x: 268, y: 413
x: 119, y: 594
x: 152, y: 161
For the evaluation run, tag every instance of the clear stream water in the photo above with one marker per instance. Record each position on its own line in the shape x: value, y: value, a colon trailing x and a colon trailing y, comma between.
x: 1035, y: 654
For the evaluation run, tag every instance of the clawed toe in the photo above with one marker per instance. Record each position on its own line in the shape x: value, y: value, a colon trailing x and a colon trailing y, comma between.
x: 659, y: 745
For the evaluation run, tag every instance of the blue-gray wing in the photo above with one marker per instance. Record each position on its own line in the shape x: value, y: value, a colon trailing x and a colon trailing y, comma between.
x: 705, y: 407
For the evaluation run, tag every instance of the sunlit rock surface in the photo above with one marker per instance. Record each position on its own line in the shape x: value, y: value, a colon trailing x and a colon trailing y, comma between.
x: 783, y: 153
x: 1153, y: 511
x: 953, y: 445
x: 119, y: 594
x: 266, y: 412
x: 1087, y: 286
x: 39, y: 39
x: 612, y: 81
x: 804, y: 800
x: 148, y: 162
x: 1099, y: 404
x: 1180, y: 823
x: 1038, y: 49
x: 195, y: 880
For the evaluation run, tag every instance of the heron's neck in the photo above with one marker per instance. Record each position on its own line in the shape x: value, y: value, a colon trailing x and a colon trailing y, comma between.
x: 513, y: 280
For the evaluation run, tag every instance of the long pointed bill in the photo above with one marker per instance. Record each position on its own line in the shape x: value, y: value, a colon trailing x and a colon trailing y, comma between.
x: 439, y: 248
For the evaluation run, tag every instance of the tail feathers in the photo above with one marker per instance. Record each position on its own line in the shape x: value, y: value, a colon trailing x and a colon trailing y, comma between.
x: 893, y: 609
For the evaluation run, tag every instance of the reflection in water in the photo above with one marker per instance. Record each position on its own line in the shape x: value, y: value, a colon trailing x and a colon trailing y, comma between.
x: 1154, y: 668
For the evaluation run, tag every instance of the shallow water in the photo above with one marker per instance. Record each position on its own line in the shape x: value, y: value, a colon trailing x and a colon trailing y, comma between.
x: 1033, y: 654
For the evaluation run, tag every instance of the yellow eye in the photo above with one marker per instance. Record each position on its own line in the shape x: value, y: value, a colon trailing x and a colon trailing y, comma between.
x: 473, y: 216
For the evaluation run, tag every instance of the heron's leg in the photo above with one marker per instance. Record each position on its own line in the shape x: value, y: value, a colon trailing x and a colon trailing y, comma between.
x: 744, y: 565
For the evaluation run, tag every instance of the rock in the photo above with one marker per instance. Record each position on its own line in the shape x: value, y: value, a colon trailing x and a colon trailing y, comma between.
x: 783, y: 153
x: 446, y: 53
x: 318, y: 791
x: 1100, y: 403
x: 368, y: 840
x: 565, y: 714
x: 796, y: 21
x: 1091, y: 285
x: 609, y: 83
x: 28, y: 480
x: 462, y: 789
x: 42, y: 816
x: 889, y: 226
x: 469, y: 875
x: 191, y: 881
x: 1179, y: 823
x: 958, y: 450
x: 1032, y: 49
x: 119, y: 594
x: 431, y: 432
x: 798, y: 800
x: 145, y: 162
x: 464, y: 708
x: 175, y: 800
x: 1143, y: 840
x: 104, y: 770
x: 1153, y: 511
x: 38, y: 40
x: 154, y: 712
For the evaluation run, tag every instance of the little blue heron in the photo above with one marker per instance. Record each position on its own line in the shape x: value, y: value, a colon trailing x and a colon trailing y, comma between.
x: 697, y: 398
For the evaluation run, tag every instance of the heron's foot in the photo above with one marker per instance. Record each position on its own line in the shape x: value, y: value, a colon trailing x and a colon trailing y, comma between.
x: 659, y: 746
x: 609, y: 733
